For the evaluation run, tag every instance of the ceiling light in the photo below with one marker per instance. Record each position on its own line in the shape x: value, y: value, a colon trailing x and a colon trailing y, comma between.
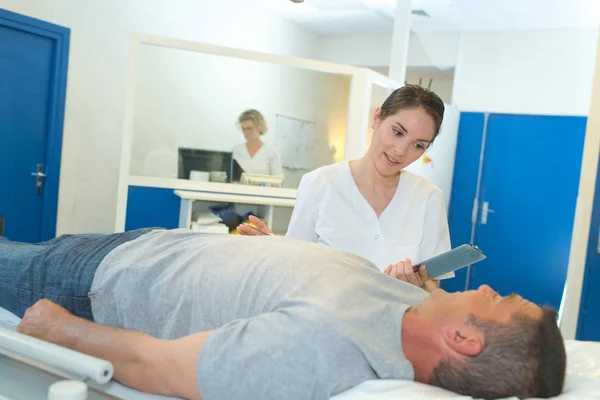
x: 292, y: 7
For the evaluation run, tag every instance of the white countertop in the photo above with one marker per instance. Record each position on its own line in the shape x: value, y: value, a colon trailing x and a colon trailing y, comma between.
x: 187, y: 186
x: 236, y: 198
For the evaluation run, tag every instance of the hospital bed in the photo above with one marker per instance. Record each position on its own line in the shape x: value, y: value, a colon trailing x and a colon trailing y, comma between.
x: 583, y: 379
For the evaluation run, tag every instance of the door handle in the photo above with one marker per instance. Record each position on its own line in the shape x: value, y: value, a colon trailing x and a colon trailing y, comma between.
x: 39, y: 178
x: 485, y: 210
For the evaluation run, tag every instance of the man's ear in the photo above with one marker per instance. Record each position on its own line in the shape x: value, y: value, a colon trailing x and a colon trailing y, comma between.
x: 464, y: 341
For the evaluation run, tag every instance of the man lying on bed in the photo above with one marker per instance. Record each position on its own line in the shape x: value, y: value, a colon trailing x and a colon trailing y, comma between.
x: 270, y: 318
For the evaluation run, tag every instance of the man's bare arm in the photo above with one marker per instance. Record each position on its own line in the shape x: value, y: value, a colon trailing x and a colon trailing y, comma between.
x: 166, y: 367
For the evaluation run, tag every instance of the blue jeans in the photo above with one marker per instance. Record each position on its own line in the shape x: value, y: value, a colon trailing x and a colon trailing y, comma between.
x: 60, y: 270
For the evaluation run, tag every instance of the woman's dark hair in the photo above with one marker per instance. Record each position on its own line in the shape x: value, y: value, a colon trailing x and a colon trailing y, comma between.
x: 415, y: 96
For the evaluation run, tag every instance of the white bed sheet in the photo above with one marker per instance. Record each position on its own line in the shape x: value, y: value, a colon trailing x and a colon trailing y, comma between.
x: 583, y: 378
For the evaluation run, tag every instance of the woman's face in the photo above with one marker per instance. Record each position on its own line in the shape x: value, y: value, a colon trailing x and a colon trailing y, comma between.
x: 400, y: 139
x: 249, y: 130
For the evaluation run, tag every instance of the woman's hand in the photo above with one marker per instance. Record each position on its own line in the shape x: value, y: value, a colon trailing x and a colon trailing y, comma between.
x: 403, y: 271
x: 248, y: 231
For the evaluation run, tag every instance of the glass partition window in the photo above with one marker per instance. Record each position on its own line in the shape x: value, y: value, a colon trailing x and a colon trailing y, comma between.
x: 189, y: 102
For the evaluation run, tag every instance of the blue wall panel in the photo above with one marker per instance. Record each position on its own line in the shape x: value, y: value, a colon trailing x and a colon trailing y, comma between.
x: 151, y: 208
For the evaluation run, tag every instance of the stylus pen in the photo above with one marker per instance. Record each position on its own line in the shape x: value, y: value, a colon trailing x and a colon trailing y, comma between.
x: 256, y: 229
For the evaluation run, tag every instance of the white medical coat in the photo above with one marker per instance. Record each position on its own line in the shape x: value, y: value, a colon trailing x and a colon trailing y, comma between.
x: 331, y: 210
x: 266, y: 161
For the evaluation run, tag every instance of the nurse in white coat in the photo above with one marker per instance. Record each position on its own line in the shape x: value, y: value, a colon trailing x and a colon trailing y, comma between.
x: 371, y: 206
x: 255, y: 156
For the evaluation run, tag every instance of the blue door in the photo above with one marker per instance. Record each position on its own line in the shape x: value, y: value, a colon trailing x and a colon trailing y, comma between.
x: 529, y: 184
x: 589, y: 316
x: 33, y: 66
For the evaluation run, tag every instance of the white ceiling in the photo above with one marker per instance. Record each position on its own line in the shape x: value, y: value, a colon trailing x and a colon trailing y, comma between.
x: 376, y: 17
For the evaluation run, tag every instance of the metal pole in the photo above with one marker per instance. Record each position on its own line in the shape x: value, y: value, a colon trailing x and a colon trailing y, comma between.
x: 475, y: 212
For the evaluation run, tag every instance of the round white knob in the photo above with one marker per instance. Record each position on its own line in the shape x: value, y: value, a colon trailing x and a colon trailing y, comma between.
x: 68, y: 390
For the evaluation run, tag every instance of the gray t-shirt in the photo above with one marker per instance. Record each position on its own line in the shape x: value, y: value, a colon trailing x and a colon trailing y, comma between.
x: 293, y: 320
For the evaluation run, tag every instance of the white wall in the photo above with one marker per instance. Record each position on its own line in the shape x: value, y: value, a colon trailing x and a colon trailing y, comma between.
x: 526, y: 72
x: 442, y: 83
x: 441, y: 155
x: 190, y: 99
x: 430, y: 55
x: 98, y: 66
x: 364, y: 51
x: 438, y: 50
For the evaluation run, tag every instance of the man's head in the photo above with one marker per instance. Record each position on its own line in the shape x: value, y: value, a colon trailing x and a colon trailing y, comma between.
x: 494, y: 346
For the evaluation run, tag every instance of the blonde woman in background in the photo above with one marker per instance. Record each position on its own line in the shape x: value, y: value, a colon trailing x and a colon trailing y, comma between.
x: 255, y: 156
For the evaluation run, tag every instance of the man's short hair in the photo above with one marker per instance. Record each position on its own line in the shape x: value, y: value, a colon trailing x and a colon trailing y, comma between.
x: 523, y: 358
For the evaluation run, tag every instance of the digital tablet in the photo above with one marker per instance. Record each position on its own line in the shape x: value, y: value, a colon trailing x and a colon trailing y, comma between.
x: 452, y: 260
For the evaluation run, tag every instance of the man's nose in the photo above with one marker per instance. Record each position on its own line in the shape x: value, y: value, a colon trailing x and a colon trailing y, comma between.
x: 485, y: 289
